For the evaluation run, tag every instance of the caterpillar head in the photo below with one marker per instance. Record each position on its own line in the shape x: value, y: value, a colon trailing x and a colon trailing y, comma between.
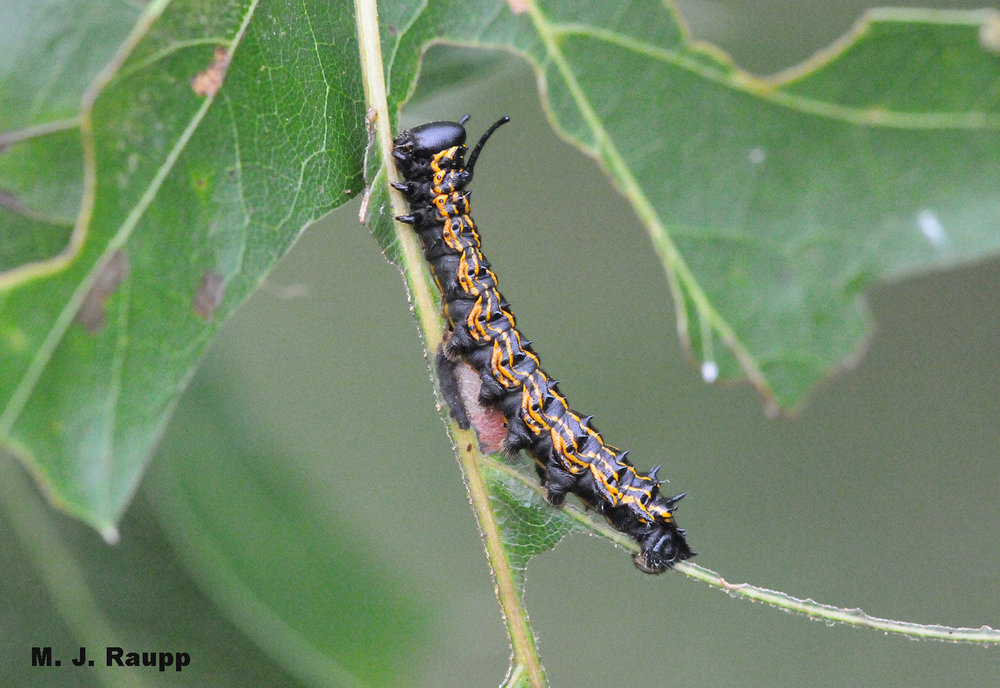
x: 663, y: 544
x: 427, y: 139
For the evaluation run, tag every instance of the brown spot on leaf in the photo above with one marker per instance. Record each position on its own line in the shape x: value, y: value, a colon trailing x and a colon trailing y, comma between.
x: 208, y: 82
x: 518, y: 6
x: 209, y: 295
x: 91, y: 314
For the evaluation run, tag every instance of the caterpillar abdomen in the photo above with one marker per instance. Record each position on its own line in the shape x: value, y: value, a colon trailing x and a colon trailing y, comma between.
x: 570, y: 455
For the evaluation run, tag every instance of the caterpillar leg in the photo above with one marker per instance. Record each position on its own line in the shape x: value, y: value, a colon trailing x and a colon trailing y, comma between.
x: 518, y: 436
x: 558, y: 484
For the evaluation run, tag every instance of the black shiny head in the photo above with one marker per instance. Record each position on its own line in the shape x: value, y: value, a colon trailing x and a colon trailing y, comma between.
x: 433, y: 137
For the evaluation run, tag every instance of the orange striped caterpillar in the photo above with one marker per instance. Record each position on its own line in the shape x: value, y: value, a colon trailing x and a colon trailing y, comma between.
x: 569, y: 453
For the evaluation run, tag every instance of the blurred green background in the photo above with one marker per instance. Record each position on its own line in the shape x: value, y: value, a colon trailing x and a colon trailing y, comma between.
x: 305, y: 499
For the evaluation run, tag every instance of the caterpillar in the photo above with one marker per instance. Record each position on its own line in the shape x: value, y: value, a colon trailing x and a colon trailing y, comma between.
x: 570, y: 454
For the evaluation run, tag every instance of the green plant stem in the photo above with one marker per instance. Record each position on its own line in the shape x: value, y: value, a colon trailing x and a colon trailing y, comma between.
x: 526, y: 668
x: 984, y: 635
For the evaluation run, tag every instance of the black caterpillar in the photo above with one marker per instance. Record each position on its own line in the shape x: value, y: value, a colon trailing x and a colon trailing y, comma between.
x: 570, y: 455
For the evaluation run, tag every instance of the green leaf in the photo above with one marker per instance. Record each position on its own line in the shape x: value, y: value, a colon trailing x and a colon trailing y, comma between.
x: 773, y: 202
x: 528, y: 525
x: 201, y: 144
x: 251, y: 538
x: 222, y: 559
x: 40, y: 181
x: 65, y: 588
